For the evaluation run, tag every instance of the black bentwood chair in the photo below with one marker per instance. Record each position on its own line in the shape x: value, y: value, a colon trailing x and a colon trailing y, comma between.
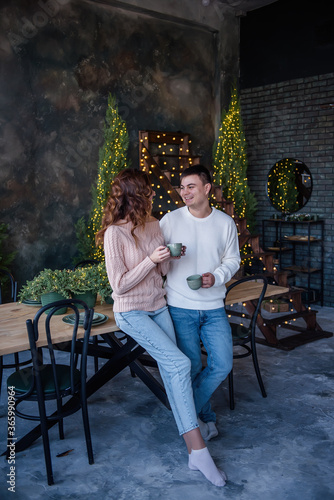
x: 12, y: 298
x: 57, y: 379
x: 244, y: 335
x: 95, y: 341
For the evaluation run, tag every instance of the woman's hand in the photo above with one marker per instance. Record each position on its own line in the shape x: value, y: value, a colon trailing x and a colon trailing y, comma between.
x: 160, y: 254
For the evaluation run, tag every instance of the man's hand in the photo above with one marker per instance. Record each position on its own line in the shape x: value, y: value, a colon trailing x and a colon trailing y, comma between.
x: 208, y: 280
x: 183, y: 252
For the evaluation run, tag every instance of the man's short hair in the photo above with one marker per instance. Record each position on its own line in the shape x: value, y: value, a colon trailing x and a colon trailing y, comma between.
x: 202, y: 172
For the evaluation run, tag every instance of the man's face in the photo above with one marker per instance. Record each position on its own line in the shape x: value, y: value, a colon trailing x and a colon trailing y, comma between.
x: 193, y: 192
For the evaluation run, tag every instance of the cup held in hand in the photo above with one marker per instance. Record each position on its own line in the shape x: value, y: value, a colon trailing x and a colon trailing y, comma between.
x: 194, y: 281
x: 175, y: 249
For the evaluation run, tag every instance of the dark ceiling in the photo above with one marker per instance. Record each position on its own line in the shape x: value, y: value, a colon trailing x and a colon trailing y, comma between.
x: 285, y: 41
x: 243, y: 6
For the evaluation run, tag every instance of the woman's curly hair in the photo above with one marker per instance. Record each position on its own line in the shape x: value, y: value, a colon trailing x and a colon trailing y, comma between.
x: 130, y: 198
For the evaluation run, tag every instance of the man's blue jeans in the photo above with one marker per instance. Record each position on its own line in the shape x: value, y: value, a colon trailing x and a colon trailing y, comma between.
x: 213, y: 329
x: 154, y: 331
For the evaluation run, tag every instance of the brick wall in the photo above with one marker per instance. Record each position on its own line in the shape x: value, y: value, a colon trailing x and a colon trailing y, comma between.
x: 294, y: 119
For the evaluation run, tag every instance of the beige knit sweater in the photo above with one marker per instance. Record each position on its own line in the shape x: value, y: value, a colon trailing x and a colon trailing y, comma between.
x: 134, y: 278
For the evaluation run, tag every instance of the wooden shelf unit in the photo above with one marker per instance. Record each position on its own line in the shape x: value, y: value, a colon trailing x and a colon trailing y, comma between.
x: 299, y: 235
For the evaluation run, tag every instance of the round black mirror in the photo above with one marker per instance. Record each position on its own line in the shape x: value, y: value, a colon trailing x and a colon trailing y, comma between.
x: 289, y: 185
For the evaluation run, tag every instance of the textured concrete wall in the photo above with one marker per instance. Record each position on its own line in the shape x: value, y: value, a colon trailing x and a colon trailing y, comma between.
x: 294, y: 119
x: 59, y: 60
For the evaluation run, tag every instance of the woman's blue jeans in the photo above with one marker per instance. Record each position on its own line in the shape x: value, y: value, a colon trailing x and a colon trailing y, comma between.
x: 154, y: 331
x: 213, y: 329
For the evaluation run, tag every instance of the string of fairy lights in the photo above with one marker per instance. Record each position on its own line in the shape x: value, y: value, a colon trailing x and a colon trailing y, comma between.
x: 112, y: 160
x: 230, y: 170
x: 230, y: 158
x: 282, y: 188
x: 239, y: 309
x: 173, y: 154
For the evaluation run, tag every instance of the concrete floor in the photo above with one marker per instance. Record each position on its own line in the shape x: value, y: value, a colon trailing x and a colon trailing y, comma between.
x: 276, y: 448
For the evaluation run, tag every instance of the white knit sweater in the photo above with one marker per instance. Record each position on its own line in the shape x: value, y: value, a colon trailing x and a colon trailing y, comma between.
x: 212, y: 246
x: 134, y: 278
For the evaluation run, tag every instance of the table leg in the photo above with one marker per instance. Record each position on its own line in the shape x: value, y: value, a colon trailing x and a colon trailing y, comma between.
x: 138, y: 368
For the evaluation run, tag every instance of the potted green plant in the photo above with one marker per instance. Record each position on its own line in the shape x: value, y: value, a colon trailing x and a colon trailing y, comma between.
x: 87, y: 282
x: 48, y: 286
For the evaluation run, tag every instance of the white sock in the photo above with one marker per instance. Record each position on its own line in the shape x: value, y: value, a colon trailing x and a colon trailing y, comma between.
x: 201, y: 460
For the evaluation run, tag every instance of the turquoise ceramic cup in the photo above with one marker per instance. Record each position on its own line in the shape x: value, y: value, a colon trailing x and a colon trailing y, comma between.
x: 194, y: 281
x: 175, y: 249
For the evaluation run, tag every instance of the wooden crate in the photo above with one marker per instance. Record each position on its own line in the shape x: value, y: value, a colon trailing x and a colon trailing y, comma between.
x: 275, y: 306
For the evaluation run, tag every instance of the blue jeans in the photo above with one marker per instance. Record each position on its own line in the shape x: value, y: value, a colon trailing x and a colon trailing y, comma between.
x: 154, y: 331
x: 213, y: 329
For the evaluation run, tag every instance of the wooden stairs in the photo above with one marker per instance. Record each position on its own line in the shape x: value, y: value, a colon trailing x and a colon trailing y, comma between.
x: 271, y: 327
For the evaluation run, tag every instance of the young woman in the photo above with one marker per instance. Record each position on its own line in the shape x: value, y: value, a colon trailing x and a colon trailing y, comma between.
x: 136, y: 259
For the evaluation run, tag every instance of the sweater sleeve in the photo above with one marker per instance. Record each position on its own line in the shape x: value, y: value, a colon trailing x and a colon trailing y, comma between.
x: 230, y: 261
x: 165, y: 230
x: 164, y: 268
x: 120, y: 277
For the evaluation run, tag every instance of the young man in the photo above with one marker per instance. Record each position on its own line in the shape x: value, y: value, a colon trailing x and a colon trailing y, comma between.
x: 212, y: 250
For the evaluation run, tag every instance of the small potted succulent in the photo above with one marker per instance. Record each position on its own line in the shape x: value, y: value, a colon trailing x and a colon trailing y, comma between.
x: 87, y: 282
x: 83, y: 283
x: 48, y: 286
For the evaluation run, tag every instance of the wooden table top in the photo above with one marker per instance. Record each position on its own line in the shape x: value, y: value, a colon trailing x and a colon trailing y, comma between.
x: 250, y: 290
x: 13, y: 330
x: 13, y: 316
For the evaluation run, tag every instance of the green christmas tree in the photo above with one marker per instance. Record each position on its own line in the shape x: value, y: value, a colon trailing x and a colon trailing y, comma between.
x: 230, y: 162
x: 112, y: 159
